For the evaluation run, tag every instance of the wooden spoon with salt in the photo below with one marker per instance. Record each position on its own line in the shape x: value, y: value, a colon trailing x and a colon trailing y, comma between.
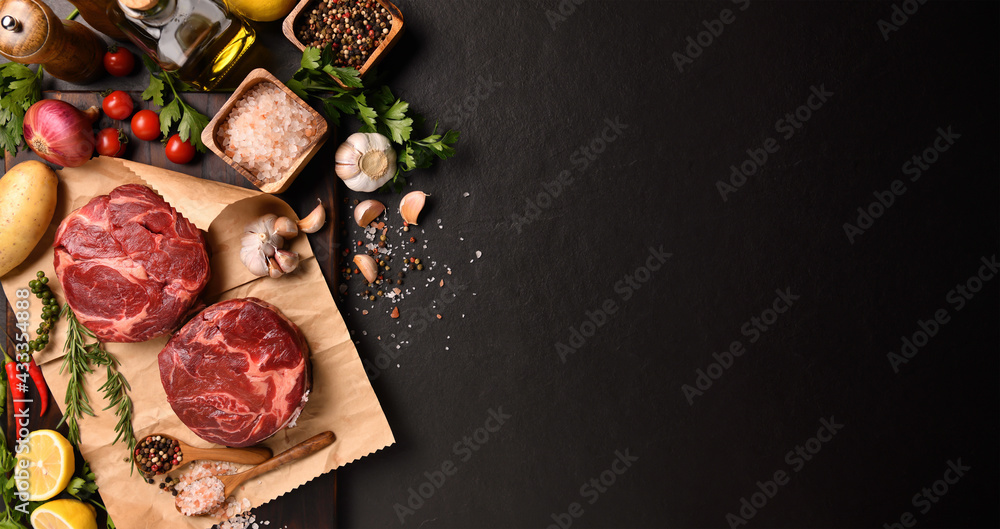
x: 233, y: 481
x: 243, y: 456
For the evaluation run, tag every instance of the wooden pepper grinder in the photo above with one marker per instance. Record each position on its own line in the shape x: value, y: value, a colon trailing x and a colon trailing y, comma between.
x: 97, y: 14
x: 30, y: 33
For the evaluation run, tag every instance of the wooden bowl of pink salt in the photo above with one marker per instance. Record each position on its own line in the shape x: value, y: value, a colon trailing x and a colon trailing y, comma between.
x: 266, y: 132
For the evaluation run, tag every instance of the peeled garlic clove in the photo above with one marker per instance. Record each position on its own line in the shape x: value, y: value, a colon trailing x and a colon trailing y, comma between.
x: 287, y: 260
x: 285, y: 227
x: 365, y: 161
x: 368, y: 267
x: 314, y: 220
x: 367, y: 211
x: 254, y: 260
x: 410, y: 206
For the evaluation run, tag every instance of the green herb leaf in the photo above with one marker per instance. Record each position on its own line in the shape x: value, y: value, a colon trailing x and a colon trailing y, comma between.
x: 19, y: 89
x: 377, y: 109
x: 168, y: 115
x: 154, y: 92
x: 311, y: 58
x: 191, y: 126
x: 366, y: 113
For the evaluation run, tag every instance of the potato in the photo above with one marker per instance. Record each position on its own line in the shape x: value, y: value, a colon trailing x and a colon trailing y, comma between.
x: 27, y: 203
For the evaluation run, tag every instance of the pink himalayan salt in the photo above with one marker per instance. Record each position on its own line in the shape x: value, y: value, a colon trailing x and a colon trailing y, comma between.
x: 266, y: 131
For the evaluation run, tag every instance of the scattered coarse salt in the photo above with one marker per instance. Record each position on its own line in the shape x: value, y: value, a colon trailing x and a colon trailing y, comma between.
x: 201, y: 496
x: 266, y: 131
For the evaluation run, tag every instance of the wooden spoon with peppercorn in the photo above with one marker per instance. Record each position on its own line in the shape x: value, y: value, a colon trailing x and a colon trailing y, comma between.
x: 160, y: 453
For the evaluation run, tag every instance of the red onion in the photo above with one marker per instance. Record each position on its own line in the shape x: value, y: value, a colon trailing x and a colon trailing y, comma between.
x: 59, y: 132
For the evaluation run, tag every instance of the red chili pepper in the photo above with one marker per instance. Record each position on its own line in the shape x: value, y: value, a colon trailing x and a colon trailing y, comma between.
x: 16, y: 392
x: 39, y: 379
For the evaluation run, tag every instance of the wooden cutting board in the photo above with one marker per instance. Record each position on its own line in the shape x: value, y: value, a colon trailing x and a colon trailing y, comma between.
x: 312, y: 505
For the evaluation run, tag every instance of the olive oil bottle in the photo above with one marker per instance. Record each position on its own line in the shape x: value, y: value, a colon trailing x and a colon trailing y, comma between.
x: 199, y: 40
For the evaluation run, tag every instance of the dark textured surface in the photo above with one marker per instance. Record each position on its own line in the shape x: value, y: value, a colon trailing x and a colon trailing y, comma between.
x: 528, y: 93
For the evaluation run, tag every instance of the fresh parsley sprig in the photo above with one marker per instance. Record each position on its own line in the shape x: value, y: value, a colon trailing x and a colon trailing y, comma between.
x: 19, y: 89
x: 189, y: 121
x: 377, y: 109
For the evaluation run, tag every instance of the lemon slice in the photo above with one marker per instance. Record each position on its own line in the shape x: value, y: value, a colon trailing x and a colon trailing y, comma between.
x: 49, y: 462
x: 64, y: 514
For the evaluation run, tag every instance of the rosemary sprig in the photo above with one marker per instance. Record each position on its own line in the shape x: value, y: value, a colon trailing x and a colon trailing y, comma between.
x: 80, y: 359
x: 77, y: 361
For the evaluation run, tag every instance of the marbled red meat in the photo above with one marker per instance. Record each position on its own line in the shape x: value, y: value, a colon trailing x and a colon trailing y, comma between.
x: 237, y: 372
x: 131, y: 267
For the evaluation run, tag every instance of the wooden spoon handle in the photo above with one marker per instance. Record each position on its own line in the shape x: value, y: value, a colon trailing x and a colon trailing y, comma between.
x: 305, y: 448
x: 243, y: 456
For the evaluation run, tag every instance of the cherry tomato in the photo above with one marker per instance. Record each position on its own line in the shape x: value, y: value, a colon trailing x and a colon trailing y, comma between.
x: 146, y: 125
x: 117, y: 105
x: 179, y: 151
x: 119, y: 62
x: 111, y: 142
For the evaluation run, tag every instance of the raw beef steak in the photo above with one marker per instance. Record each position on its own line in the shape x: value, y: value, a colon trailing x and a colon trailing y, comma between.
x: 237, y: 372
x: 130, y: 265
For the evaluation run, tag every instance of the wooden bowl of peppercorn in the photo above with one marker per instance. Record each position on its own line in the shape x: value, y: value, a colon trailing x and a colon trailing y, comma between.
x: 313, y: 23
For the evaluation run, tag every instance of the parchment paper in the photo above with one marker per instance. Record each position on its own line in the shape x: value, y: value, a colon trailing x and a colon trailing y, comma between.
x: 342, y: 399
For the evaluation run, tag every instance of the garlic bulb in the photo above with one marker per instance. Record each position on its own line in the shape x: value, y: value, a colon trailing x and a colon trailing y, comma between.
x: 254, y: 259
x: 259, y: 242
x: 365, y: 161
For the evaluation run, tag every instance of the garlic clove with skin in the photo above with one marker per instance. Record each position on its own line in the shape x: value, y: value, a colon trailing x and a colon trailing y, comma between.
x: 368, y: 267
x: 365, y: 161
x: 287, y: 260
x: 367, y: 211
x: 314, y: 220
x: 410, y: 206
x: 273, y: 269
x: 285, y: 227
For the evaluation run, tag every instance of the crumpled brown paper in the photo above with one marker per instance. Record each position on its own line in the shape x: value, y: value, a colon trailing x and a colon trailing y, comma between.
x: 342, y: 399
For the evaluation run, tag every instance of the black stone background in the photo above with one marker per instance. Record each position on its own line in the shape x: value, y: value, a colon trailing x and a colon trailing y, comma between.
x: 554, y: 82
